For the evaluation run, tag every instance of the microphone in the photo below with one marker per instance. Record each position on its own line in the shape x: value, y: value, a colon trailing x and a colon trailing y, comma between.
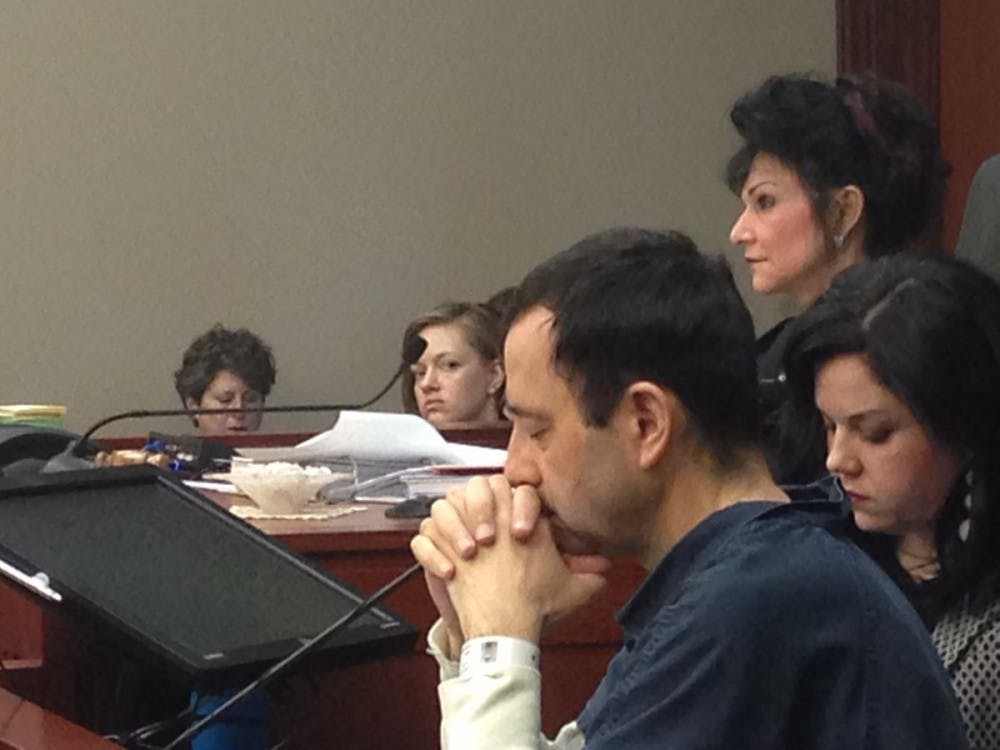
x: 285, y: 665
x: 73, y: 457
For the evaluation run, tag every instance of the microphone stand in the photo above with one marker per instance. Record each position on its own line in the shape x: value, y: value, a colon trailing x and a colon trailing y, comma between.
x: 285, y: 665
x: 411, y: 354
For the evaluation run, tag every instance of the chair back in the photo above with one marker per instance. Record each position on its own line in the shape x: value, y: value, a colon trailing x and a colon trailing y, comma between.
x: 979, y: 240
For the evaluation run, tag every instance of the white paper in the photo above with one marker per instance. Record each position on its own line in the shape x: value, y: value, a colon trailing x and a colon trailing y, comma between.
x: 382, y: 436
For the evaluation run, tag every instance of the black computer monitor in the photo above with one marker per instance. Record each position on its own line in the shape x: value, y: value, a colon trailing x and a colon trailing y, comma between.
x: 164, y: 568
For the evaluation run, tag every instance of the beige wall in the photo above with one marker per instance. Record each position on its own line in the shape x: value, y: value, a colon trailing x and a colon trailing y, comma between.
x: 322, y: 170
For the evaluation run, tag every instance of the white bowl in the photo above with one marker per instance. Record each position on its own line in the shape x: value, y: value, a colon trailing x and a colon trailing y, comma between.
x: 280, y: 489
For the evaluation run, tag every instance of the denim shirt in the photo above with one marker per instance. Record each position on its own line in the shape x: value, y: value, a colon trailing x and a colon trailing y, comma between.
x: 766, y: 628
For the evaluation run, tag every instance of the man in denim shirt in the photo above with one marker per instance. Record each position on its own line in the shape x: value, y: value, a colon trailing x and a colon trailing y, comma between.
x: 632, y: 392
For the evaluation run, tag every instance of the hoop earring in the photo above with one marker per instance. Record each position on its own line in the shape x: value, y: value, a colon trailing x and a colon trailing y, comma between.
x: 965, y: 525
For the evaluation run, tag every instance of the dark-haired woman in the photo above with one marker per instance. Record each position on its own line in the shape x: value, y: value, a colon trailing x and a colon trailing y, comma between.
x: 226, y: 369
x: 829, y: 174
x: 899, y: 362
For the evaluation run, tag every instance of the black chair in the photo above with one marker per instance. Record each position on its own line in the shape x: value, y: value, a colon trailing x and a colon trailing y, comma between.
x: 26, y: 449
x: 979, y: 240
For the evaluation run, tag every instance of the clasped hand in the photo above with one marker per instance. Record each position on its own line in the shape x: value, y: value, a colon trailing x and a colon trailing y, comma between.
x: 492, y: 566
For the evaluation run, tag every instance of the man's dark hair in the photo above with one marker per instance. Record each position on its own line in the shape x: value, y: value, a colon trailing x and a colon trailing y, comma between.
x: 633, y: 304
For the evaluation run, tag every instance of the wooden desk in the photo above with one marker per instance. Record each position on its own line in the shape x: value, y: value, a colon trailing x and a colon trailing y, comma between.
x: 25, y: 726
x: 491, y: 435
x: 370, y: 705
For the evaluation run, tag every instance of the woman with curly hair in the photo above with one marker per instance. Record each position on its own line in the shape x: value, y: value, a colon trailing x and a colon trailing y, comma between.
x: 898, y: 364
x: 829, y: 174
x: 226, y: 369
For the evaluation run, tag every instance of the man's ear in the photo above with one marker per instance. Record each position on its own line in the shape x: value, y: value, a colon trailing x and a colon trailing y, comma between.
x: 653, y: 418
x: 847, y: 206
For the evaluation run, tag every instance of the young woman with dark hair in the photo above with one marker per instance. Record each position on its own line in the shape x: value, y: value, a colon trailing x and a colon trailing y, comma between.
x: 899, y: 364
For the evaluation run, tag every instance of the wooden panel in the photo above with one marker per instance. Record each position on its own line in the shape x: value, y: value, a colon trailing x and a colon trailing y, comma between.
x: 236, y: 440
x: 489, y: 435
x: 20, y: 625
x: 970, y: 102
x: 25, y: 726
x: 898, y: 39
x: 945, y: 50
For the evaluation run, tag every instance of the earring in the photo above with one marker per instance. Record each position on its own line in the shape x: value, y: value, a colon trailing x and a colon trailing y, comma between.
x: 838, y: 241
x: 965, y: 525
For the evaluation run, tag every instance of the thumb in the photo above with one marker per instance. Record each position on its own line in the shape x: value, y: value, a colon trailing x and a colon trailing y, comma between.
x: 579, y: 589
x: 583, y: 586
x: 587, y: 563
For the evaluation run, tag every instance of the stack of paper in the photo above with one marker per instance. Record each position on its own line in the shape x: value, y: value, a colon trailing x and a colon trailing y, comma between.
x: 435, y: 481
x: 381, y: 436
x: 44, y: 415
x: 377, y: 445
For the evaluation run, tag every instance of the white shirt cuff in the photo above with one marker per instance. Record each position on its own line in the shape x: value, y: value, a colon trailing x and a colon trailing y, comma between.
x: 489, y: 655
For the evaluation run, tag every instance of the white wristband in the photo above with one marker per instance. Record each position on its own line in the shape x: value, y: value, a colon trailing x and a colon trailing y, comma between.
x: 490, y: 654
